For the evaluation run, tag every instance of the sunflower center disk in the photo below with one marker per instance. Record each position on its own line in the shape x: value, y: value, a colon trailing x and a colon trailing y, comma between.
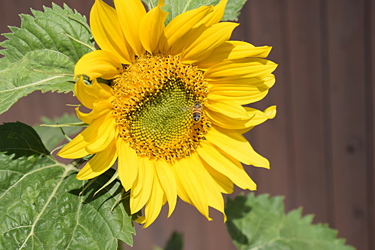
x: 153, y: 107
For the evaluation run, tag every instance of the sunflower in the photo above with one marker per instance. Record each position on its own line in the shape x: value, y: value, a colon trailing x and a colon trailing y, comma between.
x: 166, y: 104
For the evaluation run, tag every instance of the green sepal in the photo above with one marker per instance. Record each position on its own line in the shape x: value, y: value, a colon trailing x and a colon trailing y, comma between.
x: 51, y: 136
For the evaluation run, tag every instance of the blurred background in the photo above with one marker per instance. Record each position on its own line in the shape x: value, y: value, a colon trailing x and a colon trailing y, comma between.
x: 321, y: 143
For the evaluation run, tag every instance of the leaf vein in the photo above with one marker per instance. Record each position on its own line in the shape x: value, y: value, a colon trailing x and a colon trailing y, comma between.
x: 32, y: 84
x: 14, y: 228
x: 39, y: 169
x: 70, y: 40
x: 79, y: 210
x: 66, y: 172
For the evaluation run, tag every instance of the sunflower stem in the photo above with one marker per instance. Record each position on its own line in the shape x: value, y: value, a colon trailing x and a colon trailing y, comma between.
x: 75, y: 124
x: 123, y: 196
x: 113, y: 178
x: 87, y: 185
x: 120, y: 245
x: 58, y: 147
x: 74, y: 105
x: 77, y: 162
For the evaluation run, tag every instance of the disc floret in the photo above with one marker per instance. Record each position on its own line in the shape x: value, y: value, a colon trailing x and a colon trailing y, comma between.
x: 153, y: 106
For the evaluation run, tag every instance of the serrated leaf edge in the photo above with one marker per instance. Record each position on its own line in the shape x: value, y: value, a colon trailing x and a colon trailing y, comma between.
x: 284, y: 217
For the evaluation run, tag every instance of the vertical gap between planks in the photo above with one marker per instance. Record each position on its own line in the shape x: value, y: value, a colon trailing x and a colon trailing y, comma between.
x: 324, y: 37
x: 368, y: 62
x: 291, y: 201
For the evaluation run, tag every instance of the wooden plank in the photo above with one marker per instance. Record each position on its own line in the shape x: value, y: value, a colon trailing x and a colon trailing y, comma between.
x: 369, y: 26
x: 262, y: 23
x: 308, y: 110
x: 348, y: 118
x: 29, y: 109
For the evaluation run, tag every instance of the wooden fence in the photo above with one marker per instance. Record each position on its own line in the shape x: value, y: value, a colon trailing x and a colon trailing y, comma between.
x: 321, y: 144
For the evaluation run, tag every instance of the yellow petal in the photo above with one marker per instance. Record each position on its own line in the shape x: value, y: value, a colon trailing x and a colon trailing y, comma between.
x: 228, y: 108
x: 259, y: 117
x: 225, y: 121
x: 153, y: 206
x: 270, y: 112
x: 181, y: 192
x: 183, y: 23
x: 142, y: 187
x: 77, y: 147
x: 240, y: 97
x: 241, y: 68
x: 215, y: 16
x: 250, y: 87
x: 224, y: 184
x: 131, y: 13
x: 100, y: 163
x: 168, y: 183
x: 98, y: 63
x: 232, y: 50
x: 211, y: 38
x: 127, y: 164
x: 192, y: 185
x: 107, y: 32
x: 90, y: 94
x: 140, y: 220
x: 210, y: 186
x: 152, y: 28
x: 99, y: 108
x: 137, y: 184
x: 103, y: 140
x: 226, y: 165
x: 237, y: 146
x: 242, y: 91
x: 261, y: 83
x: 255, y: 117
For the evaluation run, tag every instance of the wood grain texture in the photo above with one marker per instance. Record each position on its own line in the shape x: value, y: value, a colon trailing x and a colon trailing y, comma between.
x: 369, y: 24
x: 348, y: 119
x: 321, y: 144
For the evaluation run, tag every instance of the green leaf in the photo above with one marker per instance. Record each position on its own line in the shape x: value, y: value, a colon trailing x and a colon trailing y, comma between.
x: 175, y: 242
x: 40, y: 55
x: 21, y: 140
x: 52, y: 137
x: 174, y: 8
x: 41, y: 207
x: 261, y: 223
x: 232, y: 10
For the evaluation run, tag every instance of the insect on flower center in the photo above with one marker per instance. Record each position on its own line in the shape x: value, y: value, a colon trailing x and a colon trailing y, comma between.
x: 158, y: 106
